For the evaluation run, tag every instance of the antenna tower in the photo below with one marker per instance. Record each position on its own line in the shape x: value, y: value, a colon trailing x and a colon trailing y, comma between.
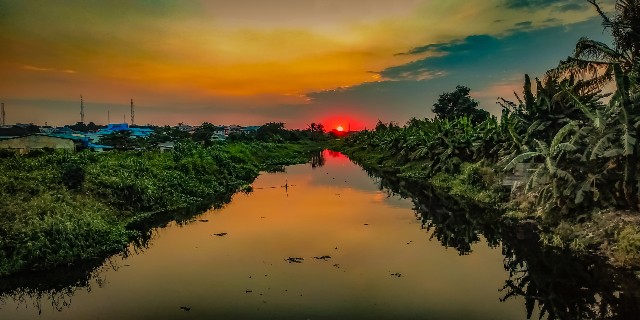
x: 133, y: 113
x: 81, y: 110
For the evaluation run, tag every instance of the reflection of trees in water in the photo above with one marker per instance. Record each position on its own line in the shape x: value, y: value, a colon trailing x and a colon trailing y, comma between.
x: 566, y: 287
x: 455, y: 224
x: 317, y: 159
x: 553, y: 284
x: 58, y: 286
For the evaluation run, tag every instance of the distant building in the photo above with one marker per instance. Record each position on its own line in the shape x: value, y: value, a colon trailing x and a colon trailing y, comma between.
x: 118, y: 127
x: 234, y: 128
x: 62, y: 131
x: 38, y: 142
x: 46, y: 129
x: 98, y: 147
x: 166, y: 146
x: 185, y: 128
x: 251, y: 129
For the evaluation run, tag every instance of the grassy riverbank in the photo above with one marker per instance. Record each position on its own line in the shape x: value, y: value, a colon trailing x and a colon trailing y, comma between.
x: 611, y: 233
x: 59, y: 208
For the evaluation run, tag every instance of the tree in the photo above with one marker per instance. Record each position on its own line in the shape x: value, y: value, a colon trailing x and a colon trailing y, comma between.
x: 456, y: 104
x: 603, y: 64
x: 204, y: 133
x: 122, y: 140
x: 597, y: 59
x: 315, y: 131
x: 272, y: 131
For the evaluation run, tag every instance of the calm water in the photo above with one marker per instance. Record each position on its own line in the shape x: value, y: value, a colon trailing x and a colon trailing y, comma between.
x: 364, y: 254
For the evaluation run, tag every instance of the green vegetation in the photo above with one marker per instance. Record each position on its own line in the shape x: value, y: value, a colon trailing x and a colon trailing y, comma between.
x: 61, y: 208
x: 581, y: 144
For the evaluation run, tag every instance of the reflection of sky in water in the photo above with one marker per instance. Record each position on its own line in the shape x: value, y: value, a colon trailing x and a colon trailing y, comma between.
x: 244, y: 275
x: 339, y: 172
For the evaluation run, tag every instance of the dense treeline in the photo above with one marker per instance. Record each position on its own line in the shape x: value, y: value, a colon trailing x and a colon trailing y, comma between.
x: 208, y: 134
x: 58, y: 208
x: 582, y: 143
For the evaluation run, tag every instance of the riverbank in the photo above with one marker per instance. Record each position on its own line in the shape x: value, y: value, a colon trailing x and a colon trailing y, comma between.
x: 609, y: 233
x: 61, y: 208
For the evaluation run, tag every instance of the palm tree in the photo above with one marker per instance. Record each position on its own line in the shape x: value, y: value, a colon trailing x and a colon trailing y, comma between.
x: 597, y: 59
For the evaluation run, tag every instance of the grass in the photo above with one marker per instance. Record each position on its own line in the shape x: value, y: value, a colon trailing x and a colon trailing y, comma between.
x: 62, y: 208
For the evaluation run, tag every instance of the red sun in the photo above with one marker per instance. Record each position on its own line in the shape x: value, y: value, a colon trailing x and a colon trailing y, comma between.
x: 340, y: 128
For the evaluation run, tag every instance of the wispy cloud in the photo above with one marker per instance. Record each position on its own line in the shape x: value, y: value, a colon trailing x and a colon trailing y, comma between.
x: 45, y: 69
x: 560, y: 5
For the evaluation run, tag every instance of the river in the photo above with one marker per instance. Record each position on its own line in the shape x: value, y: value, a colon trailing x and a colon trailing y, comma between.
x: 327, y: 240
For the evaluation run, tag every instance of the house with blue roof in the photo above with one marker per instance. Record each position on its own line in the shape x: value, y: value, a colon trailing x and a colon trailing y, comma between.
x: 118, y: 127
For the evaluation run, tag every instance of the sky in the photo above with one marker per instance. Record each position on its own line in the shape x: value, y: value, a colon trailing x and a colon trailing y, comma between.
x: 249, y: 62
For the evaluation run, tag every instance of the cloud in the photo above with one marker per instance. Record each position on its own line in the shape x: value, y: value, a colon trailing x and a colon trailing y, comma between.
x: 253, y: 60
x: 44, y: 69
x: 491, y: 66
x: 487, y: 55
x: 559, y: 5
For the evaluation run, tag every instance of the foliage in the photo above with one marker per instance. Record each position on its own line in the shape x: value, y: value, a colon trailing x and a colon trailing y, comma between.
x: 59, y: 208
x: 456, y: 104
x: 582, y: 144
x: 204, y: 133
x: 122, y: 140
x: 83, y: 127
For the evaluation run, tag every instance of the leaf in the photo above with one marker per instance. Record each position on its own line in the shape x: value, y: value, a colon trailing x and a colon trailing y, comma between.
x: 600, y: 146
x: 559, y: 137
x: 542, y: 147
x: 613, y: 153
x: 566, y: 147
x: 629, y: 141
x: 520, y: 158
x: 564, y: 175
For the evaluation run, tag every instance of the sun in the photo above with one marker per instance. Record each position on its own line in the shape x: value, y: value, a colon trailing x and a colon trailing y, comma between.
x: 340, y: 128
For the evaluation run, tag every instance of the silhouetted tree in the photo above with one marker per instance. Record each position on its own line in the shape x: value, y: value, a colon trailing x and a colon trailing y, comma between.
x: 456, y: 104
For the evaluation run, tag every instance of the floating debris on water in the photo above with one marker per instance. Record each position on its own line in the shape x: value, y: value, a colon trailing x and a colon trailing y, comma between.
x: 221, y: 234
x: 203, y: 220
x: 294, y: 259
x: 397, y: 274
x: 187, y: 309
x: 325, y: 258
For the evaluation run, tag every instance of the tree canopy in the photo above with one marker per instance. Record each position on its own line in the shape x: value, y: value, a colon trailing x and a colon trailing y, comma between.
x: 457, y: 104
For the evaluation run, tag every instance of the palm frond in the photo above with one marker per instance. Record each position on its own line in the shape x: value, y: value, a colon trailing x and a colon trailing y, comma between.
x: 520, y: 158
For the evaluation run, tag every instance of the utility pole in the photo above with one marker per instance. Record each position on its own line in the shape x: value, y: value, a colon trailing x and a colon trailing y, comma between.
x: 133, y: 113
x: 81, y: 110
x: 2, y: 114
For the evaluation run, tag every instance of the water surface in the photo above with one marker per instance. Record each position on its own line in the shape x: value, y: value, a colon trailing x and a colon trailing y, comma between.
x: 318, y: 241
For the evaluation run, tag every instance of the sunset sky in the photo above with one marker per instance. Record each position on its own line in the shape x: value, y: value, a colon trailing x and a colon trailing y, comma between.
x: 252, y: 61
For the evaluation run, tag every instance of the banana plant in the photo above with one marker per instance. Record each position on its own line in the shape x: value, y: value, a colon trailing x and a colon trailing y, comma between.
x: 550, y: 180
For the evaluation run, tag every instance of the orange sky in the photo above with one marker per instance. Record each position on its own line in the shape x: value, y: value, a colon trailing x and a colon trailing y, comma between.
x: 243, y: 62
